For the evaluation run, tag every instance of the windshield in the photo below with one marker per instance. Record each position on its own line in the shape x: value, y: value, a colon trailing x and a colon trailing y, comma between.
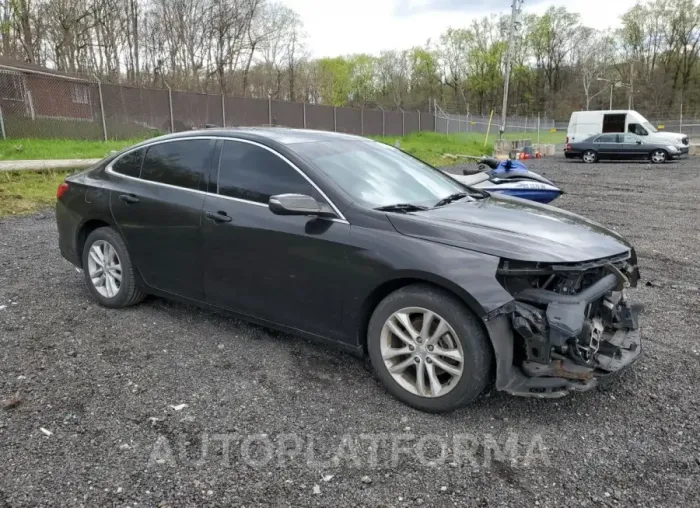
x: 649, y: 127
x: 377, y: 175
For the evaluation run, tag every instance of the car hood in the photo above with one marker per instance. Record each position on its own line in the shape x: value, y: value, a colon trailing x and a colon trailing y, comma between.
x: 671, y: 136
x: 513, y: 228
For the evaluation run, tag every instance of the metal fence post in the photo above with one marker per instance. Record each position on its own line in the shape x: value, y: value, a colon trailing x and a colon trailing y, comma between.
x: 538, y: 128
x: 680, y: 128
x: 269, y: 109
x: 304, y: 111
x: 419, y: 120
x: 170, y: 106
x: 335, y: 120
x: 383, y: 122
x: 102, y: 106
x: 403, y: 123
x: 2, y: 124
x: 435, y: 115
x: 362, y: 121
x: 223, y: 111
x: 30, y: 99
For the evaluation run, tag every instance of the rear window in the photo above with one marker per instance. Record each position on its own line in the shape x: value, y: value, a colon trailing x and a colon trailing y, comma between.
x: 130, y: 163
x: 179, y: 163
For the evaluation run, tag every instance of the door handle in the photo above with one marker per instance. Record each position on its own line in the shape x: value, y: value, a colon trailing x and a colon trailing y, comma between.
x: 218, y: 216
x: 129, y: 199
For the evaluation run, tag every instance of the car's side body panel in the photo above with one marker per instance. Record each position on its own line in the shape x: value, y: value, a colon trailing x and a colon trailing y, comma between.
x: 379, y: 258
x: 162, y: 232
x: 87, y: 200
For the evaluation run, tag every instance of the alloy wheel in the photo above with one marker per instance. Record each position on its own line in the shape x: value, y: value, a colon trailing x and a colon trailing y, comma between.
x: 589, y: 157
x: 658, y: 156
x: 422, y: 352
x: 105, y: 269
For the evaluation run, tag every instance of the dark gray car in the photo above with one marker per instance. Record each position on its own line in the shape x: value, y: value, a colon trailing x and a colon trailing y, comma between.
x: 352, y: 242
x: 621, y: 146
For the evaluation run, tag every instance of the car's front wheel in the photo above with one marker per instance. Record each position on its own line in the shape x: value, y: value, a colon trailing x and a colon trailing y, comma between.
x: 589, y: 157
x: 108, y: 270
x: 428, y: 349
x: 658, y: 156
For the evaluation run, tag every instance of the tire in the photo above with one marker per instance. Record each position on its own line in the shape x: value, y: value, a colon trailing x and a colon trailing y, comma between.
x: 470, y: 339
x: 127, y: 291
x: 658, y: 156
x: 589, y: 157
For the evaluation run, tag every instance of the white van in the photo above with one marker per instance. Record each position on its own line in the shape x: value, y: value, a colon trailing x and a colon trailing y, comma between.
x: 584, y: 124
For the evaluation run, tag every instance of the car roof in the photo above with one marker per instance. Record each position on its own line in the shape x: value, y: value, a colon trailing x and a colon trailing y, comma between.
x: 282, y: 135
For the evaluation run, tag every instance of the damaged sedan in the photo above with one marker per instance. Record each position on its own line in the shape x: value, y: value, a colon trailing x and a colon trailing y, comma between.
x: 448, y: 289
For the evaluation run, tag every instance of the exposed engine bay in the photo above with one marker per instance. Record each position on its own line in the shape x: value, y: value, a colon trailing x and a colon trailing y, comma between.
x: 572, y: 323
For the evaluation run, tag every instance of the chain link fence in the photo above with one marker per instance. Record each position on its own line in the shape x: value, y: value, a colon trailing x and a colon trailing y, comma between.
x: 450, y: 123
x: 40, y: 105
x: 35, y: 105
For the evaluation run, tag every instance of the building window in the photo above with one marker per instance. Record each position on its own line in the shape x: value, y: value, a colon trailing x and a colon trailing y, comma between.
x: 11, y: 86
x: 80, y: 94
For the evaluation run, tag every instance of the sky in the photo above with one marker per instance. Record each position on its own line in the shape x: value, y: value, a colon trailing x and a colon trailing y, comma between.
x: 336, y: 27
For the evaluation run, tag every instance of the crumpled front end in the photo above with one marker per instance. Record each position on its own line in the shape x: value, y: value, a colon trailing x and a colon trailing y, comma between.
x: 571, y: 324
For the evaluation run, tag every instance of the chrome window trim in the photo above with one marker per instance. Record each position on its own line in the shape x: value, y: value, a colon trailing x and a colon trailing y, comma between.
x: 109, y: 169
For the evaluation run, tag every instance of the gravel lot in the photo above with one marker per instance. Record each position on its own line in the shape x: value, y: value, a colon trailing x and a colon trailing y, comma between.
x: 102, y: 384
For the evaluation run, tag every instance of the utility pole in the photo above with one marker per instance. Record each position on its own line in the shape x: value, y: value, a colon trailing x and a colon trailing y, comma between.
x: 514, y: 20
x: 631, y: 101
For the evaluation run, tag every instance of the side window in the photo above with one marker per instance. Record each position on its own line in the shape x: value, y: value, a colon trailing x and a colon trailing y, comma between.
x: 637, y: 129
x: 130, y: 164
x: 253, y: 173
x: 607, y: 138
x: 630, y: 138
x: 179, y: 163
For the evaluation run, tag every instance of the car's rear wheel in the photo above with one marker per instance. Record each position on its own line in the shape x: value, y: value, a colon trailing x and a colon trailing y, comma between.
x: 658, y: 156
x: 589, y: 157
x: 108, y: 270
x: 429, y: 349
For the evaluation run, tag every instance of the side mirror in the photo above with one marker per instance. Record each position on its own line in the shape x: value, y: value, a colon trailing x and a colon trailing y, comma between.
x: 296, y: 204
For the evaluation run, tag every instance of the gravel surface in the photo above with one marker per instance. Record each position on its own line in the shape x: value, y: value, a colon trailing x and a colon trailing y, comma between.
x: 135, y: 407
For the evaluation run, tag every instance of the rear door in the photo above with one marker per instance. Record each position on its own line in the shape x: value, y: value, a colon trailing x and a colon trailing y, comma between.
x: 607, y: 146
x: 158, y: 208
x: 284, y: 269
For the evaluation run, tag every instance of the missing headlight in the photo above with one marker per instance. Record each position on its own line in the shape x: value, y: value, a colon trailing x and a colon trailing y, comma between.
x: 568, y: 312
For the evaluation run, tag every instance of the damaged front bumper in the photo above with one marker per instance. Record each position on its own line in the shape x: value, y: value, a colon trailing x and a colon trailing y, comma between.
x: 568, y: 326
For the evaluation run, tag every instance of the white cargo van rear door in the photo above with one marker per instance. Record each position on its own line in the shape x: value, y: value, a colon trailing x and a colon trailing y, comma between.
x: 584, y: 124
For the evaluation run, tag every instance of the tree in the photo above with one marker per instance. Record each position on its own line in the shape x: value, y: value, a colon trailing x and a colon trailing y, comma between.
x: 593, y: 57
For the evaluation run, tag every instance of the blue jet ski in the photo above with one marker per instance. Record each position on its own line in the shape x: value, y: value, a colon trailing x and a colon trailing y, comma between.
x: 512, y: 178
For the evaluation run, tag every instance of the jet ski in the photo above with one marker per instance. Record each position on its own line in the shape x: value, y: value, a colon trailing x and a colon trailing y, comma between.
x: 512, y: 178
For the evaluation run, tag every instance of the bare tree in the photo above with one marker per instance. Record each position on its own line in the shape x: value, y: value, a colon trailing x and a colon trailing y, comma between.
x: 593, y: 57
